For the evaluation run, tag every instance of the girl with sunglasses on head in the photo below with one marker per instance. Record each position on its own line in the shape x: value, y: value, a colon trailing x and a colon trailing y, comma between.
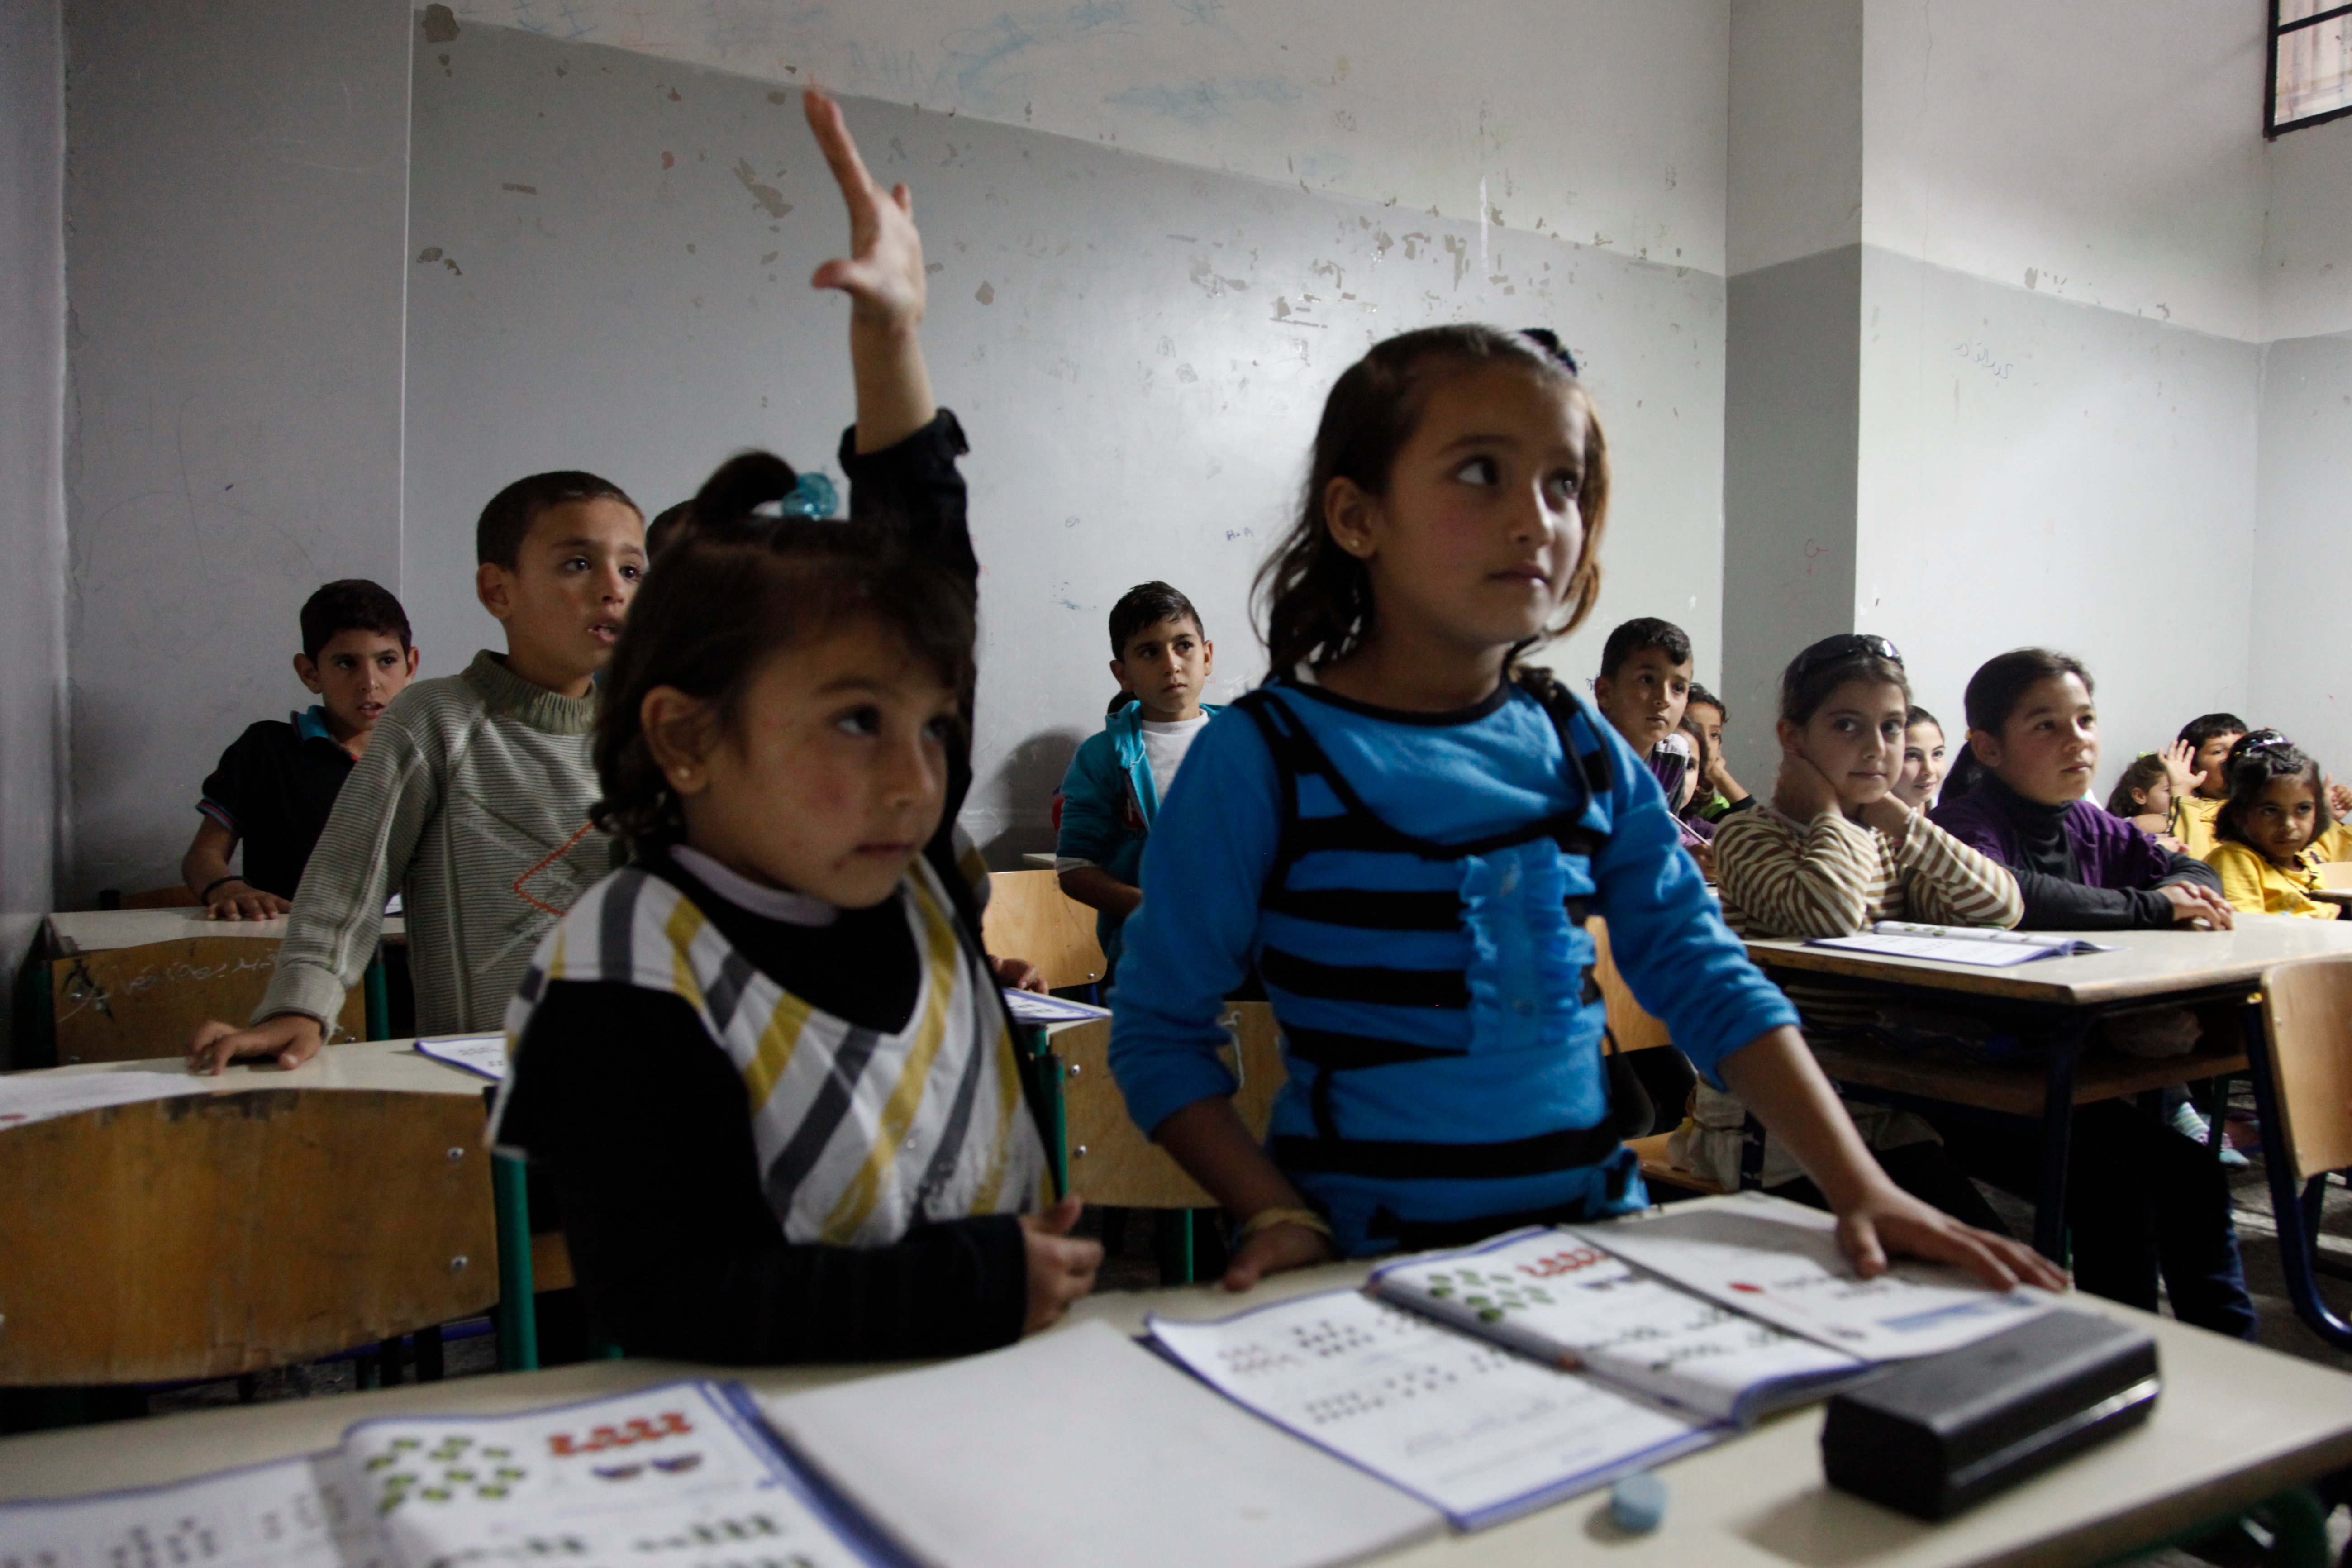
x: 1835, y: 851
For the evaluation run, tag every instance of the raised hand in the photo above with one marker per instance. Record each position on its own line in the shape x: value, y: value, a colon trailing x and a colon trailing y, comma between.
x: 883, y: 274
x: 2179, y: 765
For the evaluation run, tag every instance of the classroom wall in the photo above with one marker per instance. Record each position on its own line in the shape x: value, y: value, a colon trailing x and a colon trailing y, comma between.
x: 2307, y: 234
x: 607, y: 264
x: 2302, y: 568
x: 1593, y: 119
x: 235, y: 197
x: 32, y: 497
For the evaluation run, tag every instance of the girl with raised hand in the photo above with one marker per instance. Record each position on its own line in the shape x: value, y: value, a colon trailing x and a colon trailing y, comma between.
x: 1403, y: 834
x: 767, y: 1063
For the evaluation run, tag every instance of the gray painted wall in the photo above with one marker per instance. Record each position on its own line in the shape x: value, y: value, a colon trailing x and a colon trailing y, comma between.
x: 1792, y: 431
x: 235, y: 200
x: 608, y: 259
x: 2301, y: 566
x: 32, y: 498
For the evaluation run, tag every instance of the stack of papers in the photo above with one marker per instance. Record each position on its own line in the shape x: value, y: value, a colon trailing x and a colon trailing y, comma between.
x: 485, y: 1055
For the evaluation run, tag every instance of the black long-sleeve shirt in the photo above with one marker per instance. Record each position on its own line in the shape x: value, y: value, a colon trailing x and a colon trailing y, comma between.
x: 642, y: 1123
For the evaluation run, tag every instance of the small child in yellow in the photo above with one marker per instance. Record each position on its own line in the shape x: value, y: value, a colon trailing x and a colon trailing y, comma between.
x: 2267, y: 832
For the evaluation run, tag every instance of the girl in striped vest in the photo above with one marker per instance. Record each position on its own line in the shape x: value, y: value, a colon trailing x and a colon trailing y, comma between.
x: 1403, y: 836
x: 767, y: 1063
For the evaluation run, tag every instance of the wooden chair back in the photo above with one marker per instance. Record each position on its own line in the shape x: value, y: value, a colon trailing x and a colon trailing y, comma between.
x: 1636, y: 1029
x: 2307, y: 1012
x: 218, y: 1234
x: 131, y: 1003
x: 1029, y: 916
x: 2336, y: 874
x: 1111, y: 1160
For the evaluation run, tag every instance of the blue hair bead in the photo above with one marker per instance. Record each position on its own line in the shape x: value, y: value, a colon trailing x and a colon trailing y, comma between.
x: 813, y: 498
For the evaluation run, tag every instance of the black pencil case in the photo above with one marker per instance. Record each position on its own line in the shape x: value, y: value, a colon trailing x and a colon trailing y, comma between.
x: 1932, y: 1436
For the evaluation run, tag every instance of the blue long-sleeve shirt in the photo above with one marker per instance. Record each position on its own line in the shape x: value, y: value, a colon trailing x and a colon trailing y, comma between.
x: 1521, y: 1045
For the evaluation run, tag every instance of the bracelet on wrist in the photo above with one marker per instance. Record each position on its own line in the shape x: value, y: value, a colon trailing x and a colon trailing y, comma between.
x: 206, y: 896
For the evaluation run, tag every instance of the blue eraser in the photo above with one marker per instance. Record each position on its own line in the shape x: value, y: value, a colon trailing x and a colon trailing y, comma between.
x: 1638, y: 1503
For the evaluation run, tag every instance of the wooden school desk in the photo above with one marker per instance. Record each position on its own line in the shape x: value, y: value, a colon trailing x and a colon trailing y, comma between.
x: 2065, y: 997
x: 220, y: 1231
x: 110, y: 984
x: 2236, y: 1424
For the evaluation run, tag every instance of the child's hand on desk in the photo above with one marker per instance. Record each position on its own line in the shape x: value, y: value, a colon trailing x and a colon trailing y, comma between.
x: 292, y: 1038
x: 2192, y: 903
x: 1893, y: 1220
x: 240, y: 900
x: 1061, y: 1269
x: 1274, y: 1249
x: 1018, y: 975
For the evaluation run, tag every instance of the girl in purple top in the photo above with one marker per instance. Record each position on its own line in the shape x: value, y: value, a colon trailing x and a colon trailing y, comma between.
x: 2140, y: 1196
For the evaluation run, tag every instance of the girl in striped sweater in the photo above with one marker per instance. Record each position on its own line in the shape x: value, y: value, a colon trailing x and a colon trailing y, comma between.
x: 1835, y: 851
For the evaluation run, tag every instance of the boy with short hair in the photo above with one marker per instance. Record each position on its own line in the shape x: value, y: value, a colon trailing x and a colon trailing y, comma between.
x: 1720, y: 794
x: 2198, y: 762
x: 276, y: 783
x: 472, y: 799
x: 1642, y: 688
x: 1161, y: 657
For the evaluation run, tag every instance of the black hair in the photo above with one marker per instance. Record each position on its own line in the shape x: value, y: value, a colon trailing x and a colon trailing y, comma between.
x: 1919, y: 715
x: 504, y: 523
x: 2211, y: 726
x: 670, y: 519
x: 2000, y: 684
x: 1316, y: 599
x: 350, y: 604
x: 2260, y: 759
x: 1817, y: 671
x: 2141, y: 776
x: 1147, y: 605
x: 737, y: 586
x: 1700, y: 697
x: 1633, y: 635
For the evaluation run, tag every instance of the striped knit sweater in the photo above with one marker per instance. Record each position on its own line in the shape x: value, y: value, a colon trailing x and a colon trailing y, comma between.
x: 472, y: 804
x: 1832, y: 877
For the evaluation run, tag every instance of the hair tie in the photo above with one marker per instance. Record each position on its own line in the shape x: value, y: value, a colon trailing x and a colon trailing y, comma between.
x: 813, y: 498
x: 1548, y: 340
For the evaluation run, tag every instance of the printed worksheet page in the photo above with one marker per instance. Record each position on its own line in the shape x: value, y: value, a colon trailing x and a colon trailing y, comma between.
x: 1480, y: 1432
x: 294, y: 1514
x: 1556, y: 1296
x: 1780, y: 1261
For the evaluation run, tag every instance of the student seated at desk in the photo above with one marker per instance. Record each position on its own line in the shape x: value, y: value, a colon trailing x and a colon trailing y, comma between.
x: 2198, y: 762
x: 1404, y: 835
x: 472, y: 800
x: 1643, y: 690
x: 767, y: 1063
x: 2267, y: 834
x: 1719, y: 794
x: 1833, y: 853
x: 1922, y: 775
x: 2141, y: 1197
x: 276, y: 783
x: 2143, y: 796
x: 1160, y: 657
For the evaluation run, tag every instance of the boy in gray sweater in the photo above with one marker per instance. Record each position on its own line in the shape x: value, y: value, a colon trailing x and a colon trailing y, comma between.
x: 472, y: 800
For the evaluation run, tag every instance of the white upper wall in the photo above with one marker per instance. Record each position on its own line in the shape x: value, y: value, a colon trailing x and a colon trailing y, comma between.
x: 2308, y: 242
x: 1596, y: 121
x: 2100, y: 150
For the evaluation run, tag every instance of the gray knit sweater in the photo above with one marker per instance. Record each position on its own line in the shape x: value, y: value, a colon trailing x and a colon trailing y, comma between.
x: 472, y: 803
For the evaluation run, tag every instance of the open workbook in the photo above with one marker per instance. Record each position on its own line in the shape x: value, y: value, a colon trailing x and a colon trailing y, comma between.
x: 1979, y: 946
x: 1549, y: 1361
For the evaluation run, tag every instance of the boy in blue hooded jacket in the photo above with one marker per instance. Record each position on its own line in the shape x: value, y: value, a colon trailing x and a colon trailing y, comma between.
x: 1161, y: 657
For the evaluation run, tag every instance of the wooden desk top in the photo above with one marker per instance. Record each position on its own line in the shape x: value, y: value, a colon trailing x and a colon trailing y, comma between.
x: 2147, y: 965
x: 393, y: 1064
x: 100, y: 931
x: 2236, y: 1423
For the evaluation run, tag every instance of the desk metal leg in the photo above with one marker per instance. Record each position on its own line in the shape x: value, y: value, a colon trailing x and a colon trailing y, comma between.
x: 2057, y: 1144
x: 517, y: 1310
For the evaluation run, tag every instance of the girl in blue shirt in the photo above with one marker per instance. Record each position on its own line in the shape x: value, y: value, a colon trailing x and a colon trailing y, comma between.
x: 1403, y: 836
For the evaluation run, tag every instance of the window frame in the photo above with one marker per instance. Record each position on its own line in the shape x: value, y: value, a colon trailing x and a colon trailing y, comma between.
x: 2272, y: 129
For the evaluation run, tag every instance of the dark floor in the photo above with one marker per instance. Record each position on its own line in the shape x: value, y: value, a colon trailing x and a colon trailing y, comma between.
x: 1135, y: 1241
